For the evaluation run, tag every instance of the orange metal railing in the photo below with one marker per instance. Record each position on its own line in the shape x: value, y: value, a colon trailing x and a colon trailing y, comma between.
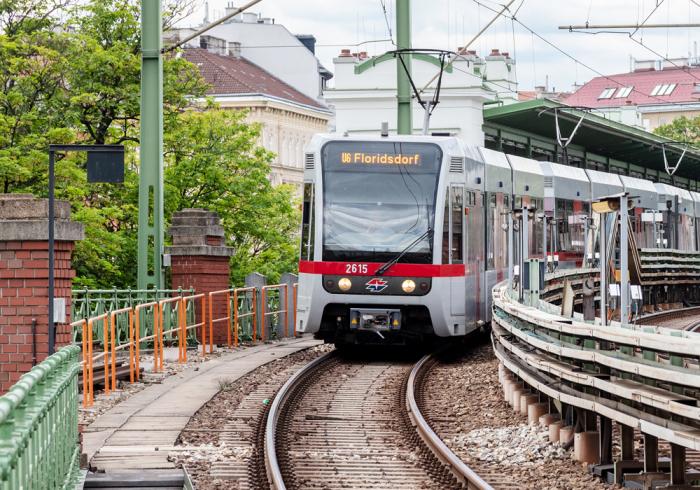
x: 154, y: 312
x: 238, y: 295
x: 226, y: 293
x: 202, y: 323
x: 283, y: 306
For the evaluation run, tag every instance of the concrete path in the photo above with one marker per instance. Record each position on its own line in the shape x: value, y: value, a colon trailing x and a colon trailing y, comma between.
x: 139, y: 432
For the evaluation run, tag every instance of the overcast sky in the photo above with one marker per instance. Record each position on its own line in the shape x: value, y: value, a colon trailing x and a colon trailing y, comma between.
x: 447, y: 24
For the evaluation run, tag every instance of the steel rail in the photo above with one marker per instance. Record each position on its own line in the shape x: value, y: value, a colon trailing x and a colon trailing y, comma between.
x: 274, y: 474
x: 432, y: 440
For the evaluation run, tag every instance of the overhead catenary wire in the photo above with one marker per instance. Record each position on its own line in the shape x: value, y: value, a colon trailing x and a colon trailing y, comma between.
x: 210, y: 26
x: 658, y: 4
x: 571, y: 57
x: 464, y: 48
x: 386, y: 19
x: 607, y: 77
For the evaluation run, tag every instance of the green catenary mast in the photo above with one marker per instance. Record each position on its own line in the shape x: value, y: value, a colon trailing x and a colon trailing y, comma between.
x: 403, y: 83
x: 150, y: 233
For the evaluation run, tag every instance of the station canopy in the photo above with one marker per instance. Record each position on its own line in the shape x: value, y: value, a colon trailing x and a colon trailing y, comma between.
x: 535, y: 120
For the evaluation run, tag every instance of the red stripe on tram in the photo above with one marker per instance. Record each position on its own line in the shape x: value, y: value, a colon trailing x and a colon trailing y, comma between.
x: 370, y: 269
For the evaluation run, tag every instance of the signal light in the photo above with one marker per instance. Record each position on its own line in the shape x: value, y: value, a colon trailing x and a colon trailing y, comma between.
x: 344, y: 284
x: 408, y: 286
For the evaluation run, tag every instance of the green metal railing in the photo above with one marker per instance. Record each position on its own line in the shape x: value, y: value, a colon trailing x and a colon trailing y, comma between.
x: 39, y: 426
x: 90, y: 303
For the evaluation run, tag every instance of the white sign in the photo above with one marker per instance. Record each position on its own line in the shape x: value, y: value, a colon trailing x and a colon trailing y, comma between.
x: 637, y: 293
x: 651, y: 217
x: 614, y: 289
x: 59, y: 310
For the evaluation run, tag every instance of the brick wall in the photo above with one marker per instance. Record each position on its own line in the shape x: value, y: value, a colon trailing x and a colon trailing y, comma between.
x: 24, y: 272
x: 24, y: 267
x: 204, y: 274
x: 200, y: 260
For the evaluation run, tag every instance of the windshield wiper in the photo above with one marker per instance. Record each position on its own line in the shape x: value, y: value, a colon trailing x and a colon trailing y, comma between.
x: 386, y: 266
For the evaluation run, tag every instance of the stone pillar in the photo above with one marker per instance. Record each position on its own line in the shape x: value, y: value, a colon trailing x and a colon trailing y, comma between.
x: 200, y: 260
x: 24, y: 273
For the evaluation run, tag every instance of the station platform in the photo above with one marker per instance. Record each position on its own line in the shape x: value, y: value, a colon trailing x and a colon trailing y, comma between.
x: 138, y: 433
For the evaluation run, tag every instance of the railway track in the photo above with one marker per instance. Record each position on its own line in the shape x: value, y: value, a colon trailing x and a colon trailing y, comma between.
x: 681, y: 319
x: 340, y: 423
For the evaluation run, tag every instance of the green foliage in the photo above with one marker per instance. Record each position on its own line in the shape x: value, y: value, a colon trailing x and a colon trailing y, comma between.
x: 682, y: 129
x: 213, y: 162
x: 83, y: 86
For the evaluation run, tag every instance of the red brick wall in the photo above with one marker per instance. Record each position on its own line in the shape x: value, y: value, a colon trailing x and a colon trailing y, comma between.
x: 24, y: 276
x: 205, y: 274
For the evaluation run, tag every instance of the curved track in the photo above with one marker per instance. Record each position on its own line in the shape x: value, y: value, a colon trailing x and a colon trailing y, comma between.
x: 681, y: 319
x: 341, y: 423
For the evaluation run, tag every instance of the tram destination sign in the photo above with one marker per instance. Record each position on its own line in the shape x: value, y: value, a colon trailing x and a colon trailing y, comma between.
x: 380, y: 158
x: 357, y: 155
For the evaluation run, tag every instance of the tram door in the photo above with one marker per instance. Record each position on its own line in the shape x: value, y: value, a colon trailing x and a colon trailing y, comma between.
x: 457, y: 245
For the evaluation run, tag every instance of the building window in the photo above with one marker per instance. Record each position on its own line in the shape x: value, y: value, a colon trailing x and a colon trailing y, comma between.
x: 664, y: 89
x: 623, y: 92
x: 607, y: 93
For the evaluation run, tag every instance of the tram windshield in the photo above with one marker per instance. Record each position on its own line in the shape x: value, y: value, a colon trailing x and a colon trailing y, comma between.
x: 378, y: 197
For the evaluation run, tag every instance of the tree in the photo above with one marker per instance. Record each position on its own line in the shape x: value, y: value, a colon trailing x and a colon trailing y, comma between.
x: 682, y: 129
x: 28, y: 16
x: 213, y: 161
x: 81, y: 84
x: 105, y: 86
x: 104, y: 106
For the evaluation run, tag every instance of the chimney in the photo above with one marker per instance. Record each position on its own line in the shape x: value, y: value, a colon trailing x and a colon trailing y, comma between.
x: 675, y: 63
x: 644, y: 65
x: 308, y: 40
x: 234, y: 49
x: 230, y: 8
x: 495, y: 52
x: 345, y: 53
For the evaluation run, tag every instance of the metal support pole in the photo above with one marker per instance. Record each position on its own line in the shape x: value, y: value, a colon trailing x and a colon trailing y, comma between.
x: 150, y: 233
x: 603, y: 271
x: 544, y: 241
x: 511, y: 234
x: 624, y: 263
x: 426, y: 118
x: 677, y: 464
x: 651, y: 454
x: 524, y: 249
x: 52, y: 224
x: 403, y: 83
x: 676, y: 223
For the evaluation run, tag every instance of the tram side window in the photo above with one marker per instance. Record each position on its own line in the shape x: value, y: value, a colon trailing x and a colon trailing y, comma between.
x: 492, y: 217
x: 457, y: 198
x: 307, y: 224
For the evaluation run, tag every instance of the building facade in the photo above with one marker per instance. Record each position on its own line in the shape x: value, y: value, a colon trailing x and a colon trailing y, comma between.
x: 288, y: 118
x: 364, y: 95
x: 651, y: 95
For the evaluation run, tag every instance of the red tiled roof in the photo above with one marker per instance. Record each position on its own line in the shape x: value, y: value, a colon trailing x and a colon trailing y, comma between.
x: 527, y: 94
x: 643, y: 83
x: 229, y: 75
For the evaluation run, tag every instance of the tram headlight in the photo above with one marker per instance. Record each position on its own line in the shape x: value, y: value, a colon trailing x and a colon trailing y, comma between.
x: 344, y: 284
x: 408, y: 286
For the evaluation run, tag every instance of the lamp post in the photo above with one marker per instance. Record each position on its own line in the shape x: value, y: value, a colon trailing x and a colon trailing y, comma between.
x: 105, y: 164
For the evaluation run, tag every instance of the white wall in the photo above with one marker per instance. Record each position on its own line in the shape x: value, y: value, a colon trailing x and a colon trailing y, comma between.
x: 295, y: 65
x: 363, y: 101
